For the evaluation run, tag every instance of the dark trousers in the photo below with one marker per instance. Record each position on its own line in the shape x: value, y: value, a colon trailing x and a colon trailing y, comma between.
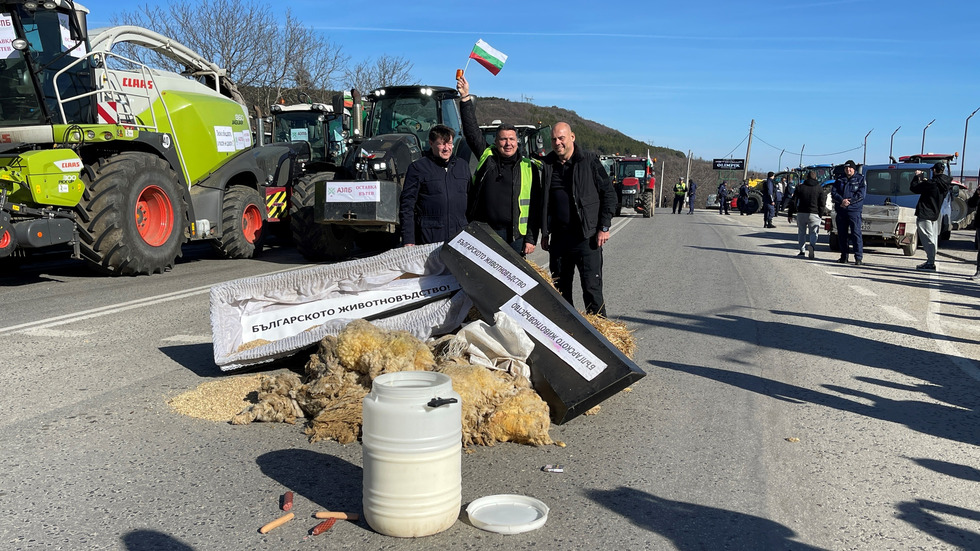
x: 568, y: 254
x: 849, y: 231
x: 678, y: 203
x: 723, y: 204
x: 517, y: 244
x: 768, y: 211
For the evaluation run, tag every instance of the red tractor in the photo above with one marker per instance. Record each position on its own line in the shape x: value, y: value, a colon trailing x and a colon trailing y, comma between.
x: 634, y: 183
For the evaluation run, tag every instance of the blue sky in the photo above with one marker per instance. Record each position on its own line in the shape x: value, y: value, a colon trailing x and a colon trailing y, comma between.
x: 815, y: 75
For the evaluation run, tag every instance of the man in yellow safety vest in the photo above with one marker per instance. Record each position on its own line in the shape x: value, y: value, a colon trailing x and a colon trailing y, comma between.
x: 505, y: 182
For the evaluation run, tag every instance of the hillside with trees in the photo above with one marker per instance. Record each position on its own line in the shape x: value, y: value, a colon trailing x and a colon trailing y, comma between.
x: 594, y: 136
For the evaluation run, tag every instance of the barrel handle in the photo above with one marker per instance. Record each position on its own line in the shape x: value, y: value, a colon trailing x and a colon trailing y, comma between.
x: 436, y: 402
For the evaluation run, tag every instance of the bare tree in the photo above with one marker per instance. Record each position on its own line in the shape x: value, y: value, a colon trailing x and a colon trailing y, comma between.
x: 385, y: 71
x: 244, y: 37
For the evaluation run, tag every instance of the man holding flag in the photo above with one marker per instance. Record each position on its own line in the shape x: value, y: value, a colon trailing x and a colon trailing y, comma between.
x: 506, y: 184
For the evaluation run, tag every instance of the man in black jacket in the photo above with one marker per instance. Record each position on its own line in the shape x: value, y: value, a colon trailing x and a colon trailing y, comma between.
x: 505, y: 185
x: 805, y: 204
x: 932, y: 193
x: 433, y: 200
x: 576, y: 210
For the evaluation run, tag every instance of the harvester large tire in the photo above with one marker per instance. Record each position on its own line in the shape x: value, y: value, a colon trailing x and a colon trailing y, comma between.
x: 646, y: 203
x: 753, y: 203
x: 133, y: 215
x: 243, y: 216
x: 8, y: 240
x: 316, y: 242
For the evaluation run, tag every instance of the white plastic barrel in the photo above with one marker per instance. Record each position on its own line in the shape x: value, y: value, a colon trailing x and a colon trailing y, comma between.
x: 412, y: 449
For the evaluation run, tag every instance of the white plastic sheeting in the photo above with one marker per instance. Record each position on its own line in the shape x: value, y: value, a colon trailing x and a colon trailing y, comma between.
x: 240, y: 308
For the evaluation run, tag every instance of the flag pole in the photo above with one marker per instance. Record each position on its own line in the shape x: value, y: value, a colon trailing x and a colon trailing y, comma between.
x: 467, y: 64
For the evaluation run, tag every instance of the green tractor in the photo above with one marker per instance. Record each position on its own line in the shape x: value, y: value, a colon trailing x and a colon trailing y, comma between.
x: 117, y: 161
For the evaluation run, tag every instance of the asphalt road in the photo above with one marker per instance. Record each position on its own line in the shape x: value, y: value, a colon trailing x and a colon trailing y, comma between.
x: 788, y: 404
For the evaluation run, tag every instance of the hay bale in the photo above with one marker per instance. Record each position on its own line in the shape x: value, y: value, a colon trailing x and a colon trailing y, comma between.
x: 218, y: 400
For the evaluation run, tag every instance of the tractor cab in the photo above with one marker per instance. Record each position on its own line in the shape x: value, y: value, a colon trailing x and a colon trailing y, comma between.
x: 532, y: 141
x: 315, y: 124
x: 396, y: 132
x: 41, y: 41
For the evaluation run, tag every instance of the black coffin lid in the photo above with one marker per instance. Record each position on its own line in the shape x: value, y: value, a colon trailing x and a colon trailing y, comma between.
x: 567, y: 392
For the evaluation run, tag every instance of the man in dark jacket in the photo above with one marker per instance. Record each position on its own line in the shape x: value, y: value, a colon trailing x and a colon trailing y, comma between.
x: 433, y: 200
x: 723, y: 198
x: 743, y: 197
x: 768, y: 201
x: 576, y: 210
x: 805, y: 204
x: 691, y: 193
x: 848, y: 197
x: 505, y: 184
x: 932, y: 193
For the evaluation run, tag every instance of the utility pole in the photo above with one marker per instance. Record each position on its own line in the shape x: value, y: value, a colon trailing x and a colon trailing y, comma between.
x: 963, y: 156
x: 688, y: 176
x: 748, y: 150
x: 923, y: 150
x: 864, y: 161
x: 779, y: 165
x: 891, y: 158
x: 801, y: 154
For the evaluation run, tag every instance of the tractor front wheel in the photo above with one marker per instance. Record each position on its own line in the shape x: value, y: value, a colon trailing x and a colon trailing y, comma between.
x: 243, y: 216
x: 646, y: 203
x: 133, y: 215
x: 316, y: 242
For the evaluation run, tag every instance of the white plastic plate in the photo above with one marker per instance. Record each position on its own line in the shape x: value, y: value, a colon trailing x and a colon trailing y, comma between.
x: 507, y: 513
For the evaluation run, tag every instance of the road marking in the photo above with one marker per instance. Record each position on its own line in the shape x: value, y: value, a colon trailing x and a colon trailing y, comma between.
x: 935, y: 326
x: 969, y: 327
x: 189, y: 339
x: 863, y: 291
x: 58, y: 333
x: 897, y: 312
x: 117, y: 308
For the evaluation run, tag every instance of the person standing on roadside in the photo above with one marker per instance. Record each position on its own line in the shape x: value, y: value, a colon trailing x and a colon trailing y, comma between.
x: 932, y: 192
x: 432, y: 205
x: 505, y: 184
x: 805, y: 204
x: 723, y: 198
x: 691, y: 189
x: 974, y: 202
x: 847, y: 195
x: 768, y: 201
x: 680, y: 190
x: 743, y: 197
x: 576, y: 210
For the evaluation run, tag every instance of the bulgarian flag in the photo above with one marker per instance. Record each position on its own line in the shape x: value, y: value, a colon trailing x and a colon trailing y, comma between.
x: 486, y: 55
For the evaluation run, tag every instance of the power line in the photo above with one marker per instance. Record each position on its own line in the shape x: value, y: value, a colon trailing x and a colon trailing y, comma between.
x: 729, y: 155
x: 809, y: 154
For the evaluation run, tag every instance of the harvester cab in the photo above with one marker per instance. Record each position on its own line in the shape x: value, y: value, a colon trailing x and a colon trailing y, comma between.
x: 362, y: 199
x: 119, y: 161
x: 634, y: 183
